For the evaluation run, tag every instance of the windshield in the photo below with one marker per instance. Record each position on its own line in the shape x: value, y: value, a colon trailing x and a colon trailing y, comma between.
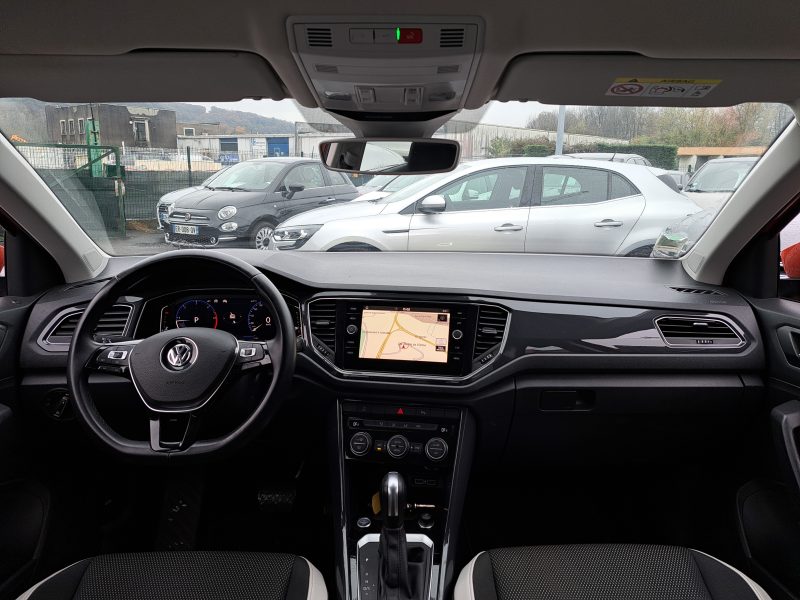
x: 720, y: 176
x: 146, y: 177
x: 251, y: 175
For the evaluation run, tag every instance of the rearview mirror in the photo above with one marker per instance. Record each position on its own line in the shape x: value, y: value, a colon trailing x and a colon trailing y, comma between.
x: 432, y: 205
x: 399, y: 157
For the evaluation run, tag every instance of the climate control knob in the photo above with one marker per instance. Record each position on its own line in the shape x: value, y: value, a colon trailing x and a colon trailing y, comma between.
x: 360, y: 443
x: 397, y: 446
x: 436, y: 449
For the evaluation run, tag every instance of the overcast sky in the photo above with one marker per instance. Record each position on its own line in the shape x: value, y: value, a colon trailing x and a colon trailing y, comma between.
x: 499, y: 113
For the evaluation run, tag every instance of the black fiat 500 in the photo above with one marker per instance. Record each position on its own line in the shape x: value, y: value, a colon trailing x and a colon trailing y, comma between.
x: 242, y: 206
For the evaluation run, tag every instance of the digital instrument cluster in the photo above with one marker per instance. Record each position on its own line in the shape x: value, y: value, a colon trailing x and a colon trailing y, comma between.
x: 245, y: 317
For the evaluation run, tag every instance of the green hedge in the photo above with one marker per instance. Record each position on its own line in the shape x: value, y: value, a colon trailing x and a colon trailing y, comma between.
x: 538, y: 150
x: 661, y: 156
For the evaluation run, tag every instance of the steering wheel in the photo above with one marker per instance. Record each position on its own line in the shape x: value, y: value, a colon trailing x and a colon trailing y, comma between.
x: 178, y: 374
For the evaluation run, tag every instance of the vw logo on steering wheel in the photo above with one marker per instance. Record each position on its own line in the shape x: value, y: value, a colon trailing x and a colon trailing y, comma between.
x: 180, y: 354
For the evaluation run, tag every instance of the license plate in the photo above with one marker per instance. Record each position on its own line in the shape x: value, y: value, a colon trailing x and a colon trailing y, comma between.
x: 185, y: 229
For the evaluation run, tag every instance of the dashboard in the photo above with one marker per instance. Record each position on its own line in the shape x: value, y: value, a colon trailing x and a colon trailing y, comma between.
x: 418, y: 321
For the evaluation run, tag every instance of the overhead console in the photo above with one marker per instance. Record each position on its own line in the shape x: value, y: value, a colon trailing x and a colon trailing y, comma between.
x: 409, y: 66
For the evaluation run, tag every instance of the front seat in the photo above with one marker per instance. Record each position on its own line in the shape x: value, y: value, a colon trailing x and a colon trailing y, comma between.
x: 602, y: 572
x: 184, y: 576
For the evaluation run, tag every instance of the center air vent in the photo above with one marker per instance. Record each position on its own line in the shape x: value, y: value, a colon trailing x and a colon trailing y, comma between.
x: 319, y: 37
x: 698, y: 291
x: 451, y: 38
x: 491, y: 328
x: 697, y: 331
x: 114, y: 322
x: 322, y: 314
x: 294, y: 309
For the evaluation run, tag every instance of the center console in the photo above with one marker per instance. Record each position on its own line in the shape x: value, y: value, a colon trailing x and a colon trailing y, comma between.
x: 422, y: 445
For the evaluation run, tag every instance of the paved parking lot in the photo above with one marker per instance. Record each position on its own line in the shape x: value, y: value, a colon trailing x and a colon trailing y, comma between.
x: 140, y: 242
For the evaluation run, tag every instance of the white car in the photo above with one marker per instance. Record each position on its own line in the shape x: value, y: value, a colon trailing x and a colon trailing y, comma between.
x: 714, y: 182
x: 544, y: 205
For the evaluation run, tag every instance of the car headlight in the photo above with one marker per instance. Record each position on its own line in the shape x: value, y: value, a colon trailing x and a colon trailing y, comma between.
x: 290, y: 238
x: 226, y: 212
x: 229, y: 226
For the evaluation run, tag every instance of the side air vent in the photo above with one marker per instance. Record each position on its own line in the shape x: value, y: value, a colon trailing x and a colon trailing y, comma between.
x: 697, y: 331
x: 698, y: 291
x: 113, y: 323
x: 294, y: 309
x: 319, y: 37
x: 323, y: 322
x: 451, y: 38
x: 492, y: 322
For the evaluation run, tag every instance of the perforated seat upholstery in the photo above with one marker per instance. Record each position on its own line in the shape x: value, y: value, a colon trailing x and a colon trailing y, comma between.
x: 184, y: 576
x: 602, y: 572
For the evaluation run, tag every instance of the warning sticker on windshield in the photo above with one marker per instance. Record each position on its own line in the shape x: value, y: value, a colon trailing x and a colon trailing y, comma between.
x: 655, y: 87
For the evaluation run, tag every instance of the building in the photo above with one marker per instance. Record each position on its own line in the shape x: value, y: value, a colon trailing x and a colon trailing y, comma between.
x: 192, y: 129
x: 118, y: 125
x: 691, y: 158
x: 240, y: 147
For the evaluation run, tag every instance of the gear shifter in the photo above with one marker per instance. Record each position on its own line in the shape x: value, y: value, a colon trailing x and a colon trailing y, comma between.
x: 393, y: 499
x: 394, y: 581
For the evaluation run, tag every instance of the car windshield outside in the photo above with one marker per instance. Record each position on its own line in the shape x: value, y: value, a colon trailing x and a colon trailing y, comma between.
x: 142, y: 178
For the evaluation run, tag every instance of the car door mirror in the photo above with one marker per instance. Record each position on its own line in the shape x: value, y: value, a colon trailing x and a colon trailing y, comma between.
x: 292, y: 190
x: 432, y: 205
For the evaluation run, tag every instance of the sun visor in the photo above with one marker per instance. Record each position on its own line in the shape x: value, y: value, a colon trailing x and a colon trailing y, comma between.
x: 153, y: 76
x: 628, y: 80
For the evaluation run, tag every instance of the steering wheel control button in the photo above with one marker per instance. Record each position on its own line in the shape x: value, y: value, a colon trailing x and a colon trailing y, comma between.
x: 352, y: 329
x: 457, y: 334
x: 398, y: 446
x: 117, y: 354
x: 360, y: 443
x: 436, y: 449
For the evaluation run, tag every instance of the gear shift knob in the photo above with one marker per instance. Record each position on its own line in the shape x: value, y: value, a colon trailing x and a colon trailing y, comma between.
x: 393, y: 499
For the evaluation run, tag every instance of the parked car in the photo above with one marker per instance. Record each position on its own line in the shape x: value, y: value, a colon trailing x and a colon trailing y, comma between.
x: 381, y: 186
x: 630, y: 159
x: 714, y: 182
x: 167, y: 201
x: 503, y: 205
x: 241, y: 206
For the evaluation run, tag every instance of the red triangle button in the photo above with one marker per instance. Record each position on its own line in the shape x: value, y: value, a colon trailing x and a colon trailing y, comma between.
x: 400, y: 411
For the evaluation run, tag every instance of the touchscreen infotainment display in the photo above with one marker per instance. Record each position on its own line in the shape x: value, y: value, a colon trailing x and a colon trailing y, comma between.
x: 404, y: 334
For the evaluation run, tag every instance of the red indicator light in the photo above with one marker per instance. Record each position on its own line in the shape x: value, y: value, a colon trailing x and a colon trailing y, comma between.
x: 400, y: 411
x: 409, y: 35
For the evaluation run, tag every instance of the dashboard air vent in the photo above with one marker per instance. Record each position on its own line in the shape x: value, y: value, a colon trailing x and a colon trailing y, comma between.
x: 113, y: 323
x: 451, y: 37
x: 697, y: 331
x: 698, y: 291
x: 319, y: 37
x: 491, y: 328
x: 323, y: 322
x: 294, y: 309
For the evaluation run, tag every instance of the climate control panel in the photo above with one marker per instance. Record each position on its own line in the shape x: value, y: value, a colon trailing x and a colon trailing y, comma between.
x: 407, y: 434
